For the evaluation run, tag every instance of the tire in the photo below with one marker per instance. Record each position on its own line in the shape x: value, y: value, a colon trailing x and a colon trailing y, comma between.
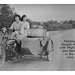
x: 2, y: 56
x: 50, y: 49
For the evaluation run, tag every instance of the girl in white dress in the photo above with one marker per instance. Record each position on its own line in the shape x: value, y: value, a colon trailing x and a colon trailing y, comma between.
x: 25, y: 26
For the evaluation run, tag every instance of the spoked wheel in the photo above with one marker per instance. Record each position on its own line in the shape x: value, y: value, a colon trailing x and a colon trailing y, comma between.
x: 50, y: 50
x: 2, y: 57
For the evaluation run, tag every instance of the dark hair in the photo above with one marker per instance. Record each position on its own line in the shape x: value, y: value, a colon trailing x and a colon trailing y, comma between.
x: 23, y: 17
x: 17, y: 16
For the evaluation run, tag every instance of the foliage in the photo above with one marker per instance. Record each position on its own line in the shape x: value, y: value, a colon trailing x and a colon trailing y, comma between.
x: 6, y: 15
x: 54, y: 25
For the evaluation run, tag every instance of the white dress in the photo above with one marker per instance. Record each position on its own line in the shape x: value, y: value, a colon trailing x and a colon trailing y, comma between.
x: 24, y: 29
x: 17, y: 27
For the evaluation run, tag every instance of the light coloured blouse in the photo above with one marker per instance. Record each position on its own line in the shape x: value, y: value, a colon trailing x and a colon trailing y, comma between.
x: 16, y: 26
x: 24, y: 28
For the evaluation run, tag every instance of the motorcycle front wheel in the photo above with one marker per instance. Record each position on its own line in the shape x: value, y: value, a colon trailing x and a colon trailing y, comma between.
x: 2, y: 56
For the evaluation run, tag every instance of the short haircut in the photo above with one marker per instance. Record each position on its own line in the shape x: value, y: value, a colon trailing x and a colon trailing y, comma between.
x: 16, y: 15
x: 23, y: 17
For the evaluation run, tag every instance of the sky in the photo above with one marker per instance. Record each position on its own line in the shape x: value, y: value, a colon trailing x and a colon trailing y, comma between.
x: 46, y: 12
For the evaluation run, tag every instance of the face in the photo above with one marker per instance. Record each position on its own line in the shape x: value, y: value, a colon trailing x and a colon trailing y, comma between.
x: 25, y: 18
x: 17, y: 18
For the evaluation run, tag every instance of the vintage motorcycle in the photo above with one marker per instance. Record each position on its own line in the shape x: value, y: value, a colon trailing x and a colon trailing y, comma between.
x: 36, y: 43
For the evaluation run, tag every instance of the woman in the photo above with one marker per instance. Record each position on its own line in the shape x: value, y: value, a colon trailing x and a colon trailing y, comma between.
x: 17, y: 24
x: 25, y: 26
x: 16, y: 28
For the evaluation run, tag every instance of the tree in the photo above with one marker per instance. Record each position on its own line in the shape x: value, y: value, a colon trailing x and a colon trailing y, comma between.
x: 71, y: 21
x: 6, y: 15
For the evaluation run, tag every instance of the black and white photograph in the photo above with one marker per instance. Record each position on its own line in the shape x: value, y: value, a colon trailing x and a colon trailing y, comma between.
x: 37, y: 37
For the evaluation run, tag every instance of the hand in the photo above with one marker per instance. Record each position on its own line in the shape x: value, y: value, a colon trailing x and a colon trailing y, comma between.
x: 20, y: 33
x: 9, y: 31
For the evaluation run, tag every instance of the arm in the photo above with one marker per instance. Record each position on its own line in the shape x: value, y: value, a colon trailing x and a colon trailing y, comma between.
x: 28, y: 26
x: 22, y: 29
x: 12, y: 26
